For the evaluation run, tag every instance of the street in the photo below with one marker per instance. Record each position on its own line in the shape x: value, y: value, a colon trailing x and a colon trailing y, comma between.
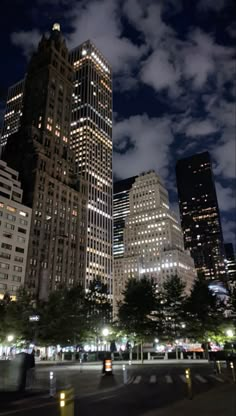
x: 148, y: 387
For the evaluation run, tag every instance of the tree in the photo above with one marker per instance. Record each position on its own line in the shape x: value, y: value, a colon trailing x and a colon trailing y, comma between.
x: 98, y: 309
x: 204, y: 312
x: 63, y: 319
x: 174, y: 300
x: 17, y: 315
x: 139, y: 312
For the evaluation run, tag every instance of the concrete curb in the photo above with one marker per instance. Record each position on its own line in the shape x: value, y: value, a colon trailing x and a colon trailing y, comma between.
x: 115, y: 363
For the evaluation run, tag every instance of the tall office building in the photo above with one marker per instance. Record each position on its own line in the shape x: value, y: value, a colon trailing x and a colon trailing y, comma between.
x: 230, y: 261
x: 13, y: 112
x: 153, y: 239
x: 121, y: 210
x: 41, y: 152
x: 15, y: 219
x: 200, y: 217
x: 91, y: 140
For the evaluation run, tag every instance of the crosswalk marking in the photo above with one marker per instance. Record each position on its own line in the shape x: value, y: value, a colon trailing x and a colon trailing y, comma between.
x: 137, y: 380
x: 183, y: 378
x: 200, y: 378
x: 169, y: 379
x: 153, y: 379
x: 217, y: 378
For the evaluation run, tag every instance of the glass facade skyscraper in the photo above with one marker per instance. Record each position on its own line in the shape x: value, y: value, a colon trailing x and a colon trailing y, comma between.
x: 121, y: 209
x: 200, y: 217
x: 13, y: 111
x: 91, y: 141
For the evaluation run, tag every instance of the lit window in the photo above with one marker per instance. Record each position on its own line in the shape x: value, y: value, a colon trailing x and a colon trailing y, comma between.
x: 23, y: 214
x: 11, y: 209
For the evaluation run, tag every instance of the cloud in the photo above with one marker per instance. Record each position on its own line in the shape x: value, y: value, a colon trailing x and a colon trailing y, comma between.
x: 224, y: 152
x: 28, y: 41
x: 229, y: 230
x: 226, y: 197
x: 211, y: 5
x: 149, y: 142
x: 200, y: 128
x: 100, y: 22
x: 158, y: 71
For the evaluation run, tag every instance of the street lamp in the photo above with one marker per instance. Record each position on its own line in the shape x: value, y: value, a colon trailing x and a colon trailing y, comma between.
x: 230, y: 333
x: 10, y: 338
x: 105, y: 332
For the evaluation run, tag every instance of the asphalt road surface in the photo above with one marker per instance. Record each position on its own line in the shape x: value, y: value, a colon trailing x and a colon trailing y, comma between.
x: 148, y: 387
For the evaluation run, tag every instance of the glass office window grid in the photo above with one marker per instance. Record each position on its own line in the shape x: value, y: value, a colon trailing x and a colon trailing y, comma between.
x: 91, y: 140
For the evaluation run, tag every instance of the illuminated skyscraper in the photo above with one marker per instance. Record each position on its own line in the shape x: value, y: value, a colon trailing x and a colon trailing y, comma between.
x: 40, y: 152
x: 13, y: 111
x: 121, y: 210
x: 153, y: 239
x: 91, y: 140
x: 200, y: 217
x: 230, y: 261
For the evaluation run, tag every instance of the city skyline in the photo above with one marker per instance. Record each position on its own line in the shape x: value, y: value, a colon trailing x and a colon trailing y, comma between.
x: 172, y: 86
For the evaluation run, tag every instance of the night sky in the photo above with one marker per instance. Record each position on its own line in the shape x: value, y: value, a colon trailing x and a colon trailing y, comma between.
x: 173, y: 77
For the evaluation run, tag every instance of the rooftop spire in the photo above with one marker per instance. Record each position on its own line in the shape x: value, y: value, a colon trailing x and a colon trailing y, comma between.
x: 57, y: 27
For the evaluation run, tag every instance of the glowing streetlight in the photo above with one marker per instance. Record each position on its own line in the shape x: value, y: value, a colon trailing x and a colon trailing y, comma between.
x: 156, y: 340
x: 183, y: 325
x: 230, y: 333
x: 10, y: 338
x: 105, y: 332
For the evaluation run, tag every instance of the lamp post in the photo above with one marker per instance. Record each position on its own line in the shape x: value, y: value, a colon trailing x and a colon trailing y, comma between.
x: 10, y: 338
x: 229, y: 333
x: 105, y: 333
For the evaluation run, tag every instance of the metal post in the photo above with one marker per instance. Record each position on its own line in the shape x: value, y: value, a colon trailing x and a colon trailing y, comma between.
x: 233, y: 371
x: 194, y: 355
x: 125, y: 375
x: 189, y: 383
x: 218, y: 367
x: 52, y: 382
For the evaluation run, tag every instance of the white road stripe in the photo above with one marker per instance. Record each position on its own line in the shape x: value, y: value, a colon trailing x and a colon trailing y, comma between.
x: 137, y: 380
x: 183, y: 378
x: 200, y: 378
x: 169, y: 379
x: 153, y: 379
x: 217, y: 378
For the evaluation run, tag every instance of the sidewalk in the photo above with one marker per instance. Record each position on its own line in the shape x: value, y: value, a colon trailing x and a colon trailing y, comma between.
x: 217, y: 402
x: 95, y: 363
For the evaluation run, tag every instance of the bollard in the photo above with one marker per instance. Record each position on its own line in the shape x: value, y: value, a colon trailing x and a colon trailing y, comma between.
x: 125, y: 375
x: 52, y: 384
x: 194, y: 355
x: 130, y: 362
x: 181, y: 355
x: 108, y: 366
x: 218, y: 367
x: 233, y: 371
x: 67, y: 402
x: 189, y: 383
x: 166, y: 356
